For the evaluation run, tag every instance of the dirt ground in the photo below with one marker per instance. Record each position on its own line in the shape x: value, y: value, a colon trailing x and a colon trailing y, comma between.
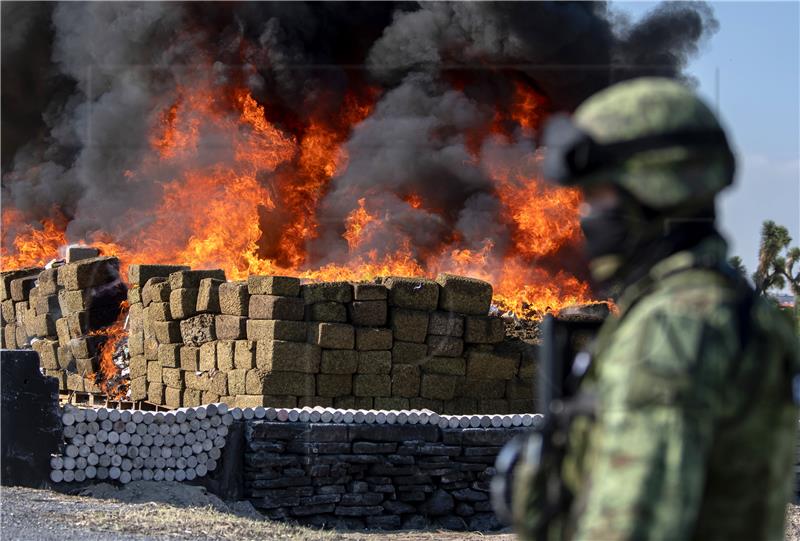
x: 793, y: 523
x: 154, y: 511
x: 145, y: 511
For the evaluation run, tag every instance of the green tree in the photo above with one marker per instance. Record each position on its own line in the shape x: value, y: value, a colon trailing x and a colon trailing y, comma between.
x: 792, y: 276
x: 738, y: 265
x: 771, y: 270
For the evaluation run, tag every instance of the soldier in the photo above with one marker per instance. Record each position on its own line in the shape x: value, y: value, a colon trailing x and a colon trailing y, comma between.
x: 694, y: 422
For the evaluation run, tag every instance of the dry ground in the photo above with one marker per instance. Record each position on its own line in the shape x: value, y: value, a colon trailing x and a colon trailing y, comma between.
x: 151, y: 512
x: 793, y: 523
x: 111, y: 515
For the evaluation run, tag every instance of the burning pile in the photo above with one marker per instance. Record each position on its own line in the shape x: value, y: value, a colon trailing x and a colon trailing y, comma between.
x: 397, y: 343
x: 317, y: 141
x: 179, y: 337
x: 259, y: 211
x: 72, y: 315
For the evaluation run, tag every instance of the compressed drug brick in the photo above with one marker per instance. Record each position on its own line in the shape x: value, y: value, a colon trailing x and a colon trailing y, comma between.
x: 332, y: 335
x: 334, y: 385
x: 405, y: 380
x: 438, y: 387
x: 444, y: 346
x: 244, y: 354
x: 409, y: 325
x: 284, y: 286
x: 464, y: 295
x: 274, y: 307
x: 446, y: 324
x: 259, y: 381
x: 231, y: 327
x: 414, y: 293
x: 374, y: 362
x: 141, y: 274
x: 491, y: 365
x: 484, y: 330
x: 234, y: 300
x: 89, y: 272
x: 408, y: 352
x: 372, y: 385
x: 279, y: 355
x: 198, y: 330
x: 370, y: 292
x: 339, y: 361
x: 183, y: 302
x: 155, y: 290
x: 341, y: 292
x: 373, y: 339
x: 331, y: 312
x: 190, y: 279
x: 276, y: 329
x: 208, y: 295
x: 368, y: 313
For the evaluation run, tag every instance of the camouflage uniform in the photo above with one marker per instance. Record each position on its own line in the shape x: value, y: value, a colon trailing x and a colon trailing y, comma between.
x: 694, y: 437
x: 695, y: 426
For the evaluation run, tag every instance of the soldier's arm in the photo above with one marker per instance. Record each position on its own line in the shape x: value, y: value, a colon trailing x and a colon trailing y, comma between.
x: 649, y: 450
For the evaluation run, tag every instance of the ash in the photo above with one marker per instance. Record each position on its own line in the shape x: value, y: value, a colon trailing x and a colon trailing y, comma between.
x: 524, y: 328
x: 118, y: 385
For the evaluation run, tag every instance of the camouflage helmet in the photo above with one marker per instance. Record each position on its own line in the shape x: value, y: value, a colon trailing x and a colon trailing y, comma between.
x: 651, y: 136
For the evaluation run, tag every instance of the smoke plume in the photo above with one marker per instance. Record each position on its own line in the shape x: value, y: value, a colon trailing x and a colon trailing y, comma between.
x: 85, y: 83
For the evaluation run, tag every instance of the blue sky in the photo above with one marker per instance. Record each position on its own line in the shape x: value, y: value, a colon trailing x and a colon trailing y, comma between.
x: 757, y: 55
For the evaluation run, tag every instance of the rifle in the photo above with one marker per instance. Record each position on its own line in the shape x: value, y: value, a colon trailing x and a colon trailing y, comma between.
x: 540, y: 452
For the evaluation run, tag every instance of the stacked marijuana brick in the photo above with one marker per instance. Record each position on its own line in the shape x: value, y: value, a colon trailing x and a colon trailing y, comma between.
x: 90, y: 293
x: 154, y: 339
x: 59, y: 311
x: 394, y: 344
x: 15, y: 290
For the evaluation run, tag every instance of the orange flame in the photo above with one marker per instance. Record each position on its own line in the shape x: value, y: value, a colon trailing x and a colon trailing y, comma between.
x: 108, y: 368
x: 526, y: 107
x: 356, y: 223
x: 253, y: 208
x: 414, y: 200
x: 33, y: 244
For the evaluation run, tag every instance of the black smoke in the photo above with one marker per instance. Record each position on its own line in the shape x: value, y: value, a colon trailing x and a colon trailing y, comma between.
x: 417, y: 140
x: 82, y: 82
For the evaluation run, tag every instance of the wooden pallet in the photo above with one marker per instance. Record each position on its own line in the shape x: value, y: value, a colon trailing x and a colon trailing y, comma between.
x: 100, y: 400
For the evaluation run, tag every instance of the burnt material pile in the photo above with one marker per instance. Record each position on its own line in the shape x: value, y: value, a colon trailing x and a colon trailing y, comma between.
x: 528, y: 328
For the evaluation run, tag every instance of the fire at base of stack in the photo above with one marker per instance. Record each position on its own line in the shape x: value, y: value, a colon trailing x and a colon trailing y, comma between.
x: 177, y: 337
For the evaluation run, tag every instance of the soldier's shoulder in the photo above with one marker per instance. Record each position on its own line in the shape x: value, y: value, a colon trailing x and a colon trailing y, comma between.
x: 659, y: 344
x: 700, y: 312
x: 706, y: 298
